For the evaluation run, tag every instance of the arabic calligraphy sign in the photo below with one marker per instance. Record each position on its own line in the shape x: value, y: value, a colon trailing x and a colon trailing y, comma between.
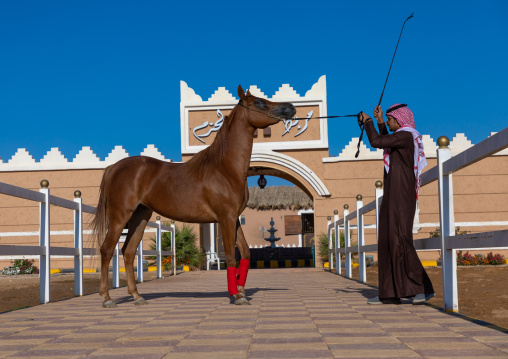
x: 289, y: 124
x: 215, y: 127
x: 287, y: 130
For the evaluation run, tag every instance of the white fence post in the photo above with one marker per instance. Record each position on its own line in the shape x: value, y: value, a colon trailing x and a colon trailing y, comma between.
x: 447, y: 225
x: 140, y: 262
x: 78, y: 245
x: 173, y: 245
x: 362, y: 267
x: 379, y: 194
x: 44, y: 241
x: 337, y: 241
x: 116, y: 267
x: 347, y: 240
x: 330, y: 245
x: 116, y: 261
x: 158, y: 246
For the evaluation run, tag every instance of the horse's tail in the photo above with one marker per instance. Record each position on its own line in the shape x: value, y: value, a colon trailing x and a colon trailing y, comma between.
x: 99, y: 223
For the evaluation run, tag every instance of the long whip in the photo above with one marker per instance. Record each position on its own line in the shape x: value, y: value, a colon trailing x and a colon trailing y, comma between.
x: 386, y: 81
x: 380, y: 99
x: 393, y: 58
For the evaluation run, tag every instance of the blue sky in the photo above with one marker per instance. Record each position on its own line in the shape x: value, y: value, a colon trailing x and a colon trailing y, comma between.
x: 106, y: 73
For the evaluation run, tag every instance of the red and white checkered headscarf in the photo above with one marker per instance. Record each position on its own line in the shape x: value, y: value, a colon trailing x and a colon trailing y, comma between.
x: 406, y: 121
x: 403, y: 115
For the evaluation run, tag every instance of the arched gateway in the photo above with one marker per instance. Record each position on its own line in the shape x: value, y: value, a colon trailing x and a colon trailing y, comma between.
x: 287, y: 167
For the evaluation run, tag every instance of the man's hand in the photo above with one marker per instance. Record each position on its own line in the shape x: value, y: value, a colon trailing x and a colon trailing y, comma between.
x: 378, y: 114
x: 364, y: 117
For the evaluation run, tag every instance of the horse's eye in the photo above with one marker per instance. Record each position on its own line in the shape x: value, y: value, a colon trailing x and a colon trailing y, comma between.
x: 260, y: 103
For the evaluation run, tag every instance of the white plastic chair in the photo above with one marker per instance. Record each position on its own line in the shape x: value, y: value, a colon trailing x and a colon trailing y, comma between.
x: 210, y: 258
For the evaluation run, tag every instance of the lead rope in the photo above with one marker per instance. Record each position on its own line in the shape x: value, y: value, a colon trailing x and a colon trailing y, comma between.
x: 357, y: 116
x: 296, y: 118
x: 362, y: 127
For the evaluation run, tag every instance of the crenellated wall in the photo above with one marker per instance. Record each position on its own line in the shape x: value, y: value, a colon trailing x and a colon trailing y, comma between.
x: 22, y: 160
x: 86, y: 158
x: 458, y: 144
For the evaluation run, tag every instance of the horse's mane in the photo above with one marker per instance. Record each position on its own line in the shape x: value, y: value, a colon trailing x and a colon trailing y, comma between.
x: 205, y: 162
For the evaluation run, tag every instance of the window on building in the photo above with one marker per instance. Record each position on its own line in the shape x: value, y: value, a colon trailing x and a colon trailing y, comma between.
x: 242, y: 220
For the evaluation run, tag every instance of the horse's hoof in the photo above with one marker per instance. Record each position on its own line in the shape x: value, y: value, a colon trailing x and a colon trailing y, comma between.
x: 242, y: 301
x: 140, y: 301
x: 109, y: 304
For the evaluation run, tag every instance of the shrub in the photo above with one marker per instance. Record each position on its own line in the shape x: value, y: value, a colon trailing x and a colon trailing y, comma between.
x: 495, y: 259
x: 21, y: 266
x: 323, y: 246
x: 437, y: 232
x: 186, y: 250
x: 467, y: 259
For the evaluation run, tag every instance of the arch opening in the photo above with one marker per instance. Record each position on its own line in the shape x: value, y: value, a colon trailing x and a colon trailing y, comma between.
x: 256, y: 171
x: 289, y: 207
x: 292, y: 170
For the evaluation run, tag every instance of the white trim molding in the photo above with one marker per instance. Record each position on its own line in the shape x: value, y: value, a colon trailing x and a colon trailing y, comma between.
x: 85, y: 159
x: 295, y: 166
x: 458, y: 144
x: 222, y: 100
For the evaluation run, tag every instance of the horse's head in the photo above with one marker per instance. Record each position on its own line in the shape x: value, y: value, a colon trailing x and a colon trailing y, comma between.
x: 262, y: 113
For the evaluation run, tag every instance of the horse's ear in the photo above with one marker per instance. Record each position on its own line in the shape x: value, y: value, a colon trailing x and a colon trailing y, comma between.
x: 241, y: 93
x: 248, y: 93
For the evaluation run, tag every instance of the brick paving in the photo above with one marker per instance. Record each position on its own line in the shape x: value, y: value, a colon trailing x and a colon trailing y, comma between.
x: 295, y: 313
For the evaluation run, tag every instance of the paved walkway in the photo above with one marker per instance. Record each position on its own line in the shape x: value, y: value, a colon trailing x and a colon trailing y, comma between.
x: 295, y: 313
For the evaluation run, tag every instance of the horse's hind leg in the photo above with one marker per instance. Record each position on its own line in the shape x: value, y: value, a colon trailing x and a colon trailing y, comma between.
x: 243, y: 268
x: 228, y: 236
x: 107, y: 250
x: 137, y: 225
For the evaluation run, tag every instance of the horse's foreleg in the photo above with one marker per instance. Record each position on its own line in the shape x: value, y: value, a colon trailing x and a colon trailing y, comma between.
x: 107, y: 250
x: 137, y: 225
x: 243, y: 268
x: 229, y: 239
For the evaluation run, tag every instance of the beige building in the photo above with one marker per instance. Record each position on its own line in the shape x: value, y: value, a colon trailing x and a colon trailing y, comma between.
x: 296, y: 150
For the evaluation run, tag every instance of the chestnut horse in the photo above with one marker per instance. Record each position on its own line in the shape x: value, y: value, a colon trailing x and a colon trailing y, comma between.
x: 210, y: 187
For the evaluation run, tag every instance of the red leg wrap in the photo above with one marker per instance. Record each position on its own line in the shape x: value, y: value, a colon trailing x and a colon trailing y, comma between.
x: 232, y: 284
x: 242, y: 271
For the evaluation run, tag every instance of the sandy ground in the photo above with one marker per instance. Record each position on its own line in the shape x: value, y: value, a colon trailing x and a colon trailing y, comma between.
x: 23, y: 291
x: 483, y: 290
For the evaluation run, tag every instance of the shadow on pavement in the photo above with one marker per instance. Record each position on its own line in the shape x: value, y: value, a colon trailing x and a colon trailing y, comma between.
x: 220, y: 294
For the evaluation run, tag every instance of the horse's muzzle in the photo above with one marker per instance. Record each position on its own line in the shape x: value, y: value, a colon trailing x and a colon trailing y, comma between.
x: 285, y: 110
